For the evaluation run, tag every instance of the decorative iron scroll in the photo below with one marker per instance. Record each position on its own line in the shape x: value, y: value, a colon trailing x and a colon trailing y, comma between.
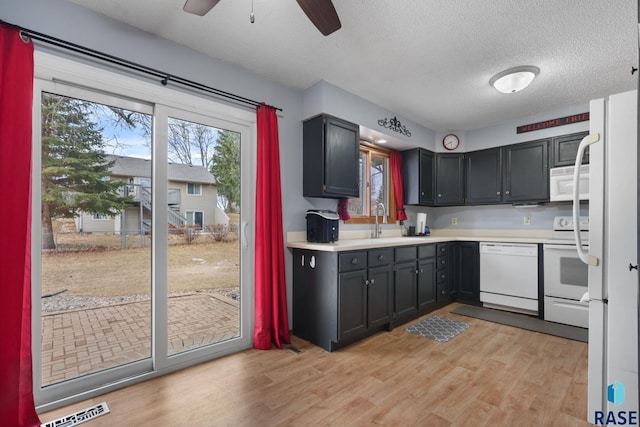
x: 394, y: 125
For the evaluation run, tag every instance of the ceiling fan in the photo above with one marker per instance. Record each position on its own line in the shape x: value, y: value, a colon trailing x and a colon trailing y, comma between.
x: 321, y: 13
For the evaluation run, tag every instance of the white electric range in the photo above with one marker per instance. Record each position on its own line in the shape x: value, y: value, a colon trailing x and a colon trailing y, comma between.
x: 565, y: 276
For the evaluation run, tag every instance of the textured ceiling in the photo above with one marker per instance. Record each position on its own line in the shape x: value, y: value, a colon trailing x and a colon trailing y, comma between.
x: 427, y: 60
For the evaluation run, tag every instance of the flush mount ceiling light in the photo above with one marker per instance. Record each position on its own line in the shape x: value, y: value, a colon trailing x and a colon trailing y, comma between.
x: 514, y: 79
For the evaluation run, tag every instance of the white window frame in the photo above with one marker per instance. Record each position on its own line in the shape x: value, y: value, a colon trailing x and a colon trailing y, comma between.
x: 196, y: 185
x: 100, y: 84
x: 193, y: 212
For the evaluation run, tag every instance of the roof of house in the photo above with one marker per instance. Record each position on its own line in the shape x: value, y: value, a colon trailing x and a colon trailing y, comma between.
x: 133, y: 166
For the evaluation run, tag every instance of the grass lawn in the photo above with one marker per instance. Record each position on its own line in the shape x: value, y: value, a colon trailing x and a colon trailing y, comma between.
x: 205, y: 264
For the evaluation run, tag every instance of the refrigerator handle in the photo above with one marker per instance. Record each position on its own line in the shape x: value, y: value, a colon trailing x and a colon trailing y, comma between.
x: 592, y: 138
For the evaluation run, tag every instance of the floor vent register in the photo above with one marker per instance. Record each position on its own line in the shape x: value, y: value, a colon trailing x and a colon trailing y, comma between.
x: 79, y: 417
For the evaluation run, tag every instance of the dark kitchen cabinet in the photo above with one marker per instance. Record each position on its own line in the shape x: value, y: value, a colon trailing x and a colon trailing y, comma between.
x: 405, y: 284
x: 564, y: 149
x: 426, y: 276
x: 483, y: 170
x: 449, y: 179
x: 352, y: 297
x: 364, y: 291
x: 418, y: 175
x: 331, y: 158
x: 526, y: 172
x: 467, y: 272
x: 445, y: 291
x: 340, y: 298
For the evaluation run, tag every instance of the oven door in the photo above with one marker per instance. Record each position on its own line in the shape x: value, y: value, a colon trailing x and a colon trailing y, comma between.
x: 565, y: 276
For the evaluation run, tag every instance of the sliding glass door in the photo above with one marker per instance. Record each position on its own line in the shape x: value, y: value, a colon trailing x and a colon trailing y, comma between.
x: 139, y: 252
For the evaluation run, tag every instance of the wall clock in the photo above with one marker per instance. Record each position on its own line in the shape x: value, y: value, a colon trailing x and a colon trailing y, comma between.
x: 450, y: 142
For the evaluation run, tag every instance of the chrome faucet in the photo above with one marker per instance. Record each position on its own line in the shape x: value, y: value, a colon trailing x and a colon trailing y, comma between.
x: 378, y: 232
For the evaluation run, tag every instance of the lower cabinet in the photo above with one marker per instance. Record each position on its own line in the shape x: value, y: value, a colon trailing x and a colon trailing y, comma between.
x: 406, y: 290
x: 342, y: 297
x: 339, y: 298
x: 363, y: 301
x: 467, y: 272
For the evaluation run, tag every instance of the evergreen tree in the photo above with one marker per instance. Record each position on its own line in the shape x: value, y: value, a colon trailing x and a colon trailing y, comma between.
x: 74, y: 169
x: 225, y: 168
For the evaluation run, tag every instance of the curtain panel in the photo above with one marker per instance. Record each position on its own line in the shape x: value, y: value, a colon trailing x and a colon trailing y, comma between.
x: 271, y: 318
x: 395, y: 159
x: 16, y: 98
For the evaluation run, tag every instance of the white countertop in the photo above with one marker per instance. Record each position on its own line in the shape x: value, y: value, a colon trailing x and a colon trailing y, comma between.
x: 355, y: 242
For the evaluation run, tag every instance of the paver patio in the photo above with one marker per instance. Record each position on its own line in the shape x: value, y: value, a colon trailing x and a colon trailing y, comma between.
x: 78, y: 342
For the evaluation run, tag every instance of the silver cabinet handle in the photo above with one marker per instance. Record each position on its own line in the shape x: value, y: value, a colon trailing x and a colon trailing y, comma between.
x: 507, y: 192
x: 497, y: 193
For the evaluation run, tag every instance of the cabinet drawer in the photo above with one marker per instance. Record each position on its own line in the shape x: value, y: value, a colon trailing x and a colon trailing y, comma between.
x: 405, y: 253
x: 352, y: 261
x: 442, y: 292
x: 426, y: 251
x: 442, y: 276
x: 379, y: 257
x: 443, y: 262
x: 442, y: 249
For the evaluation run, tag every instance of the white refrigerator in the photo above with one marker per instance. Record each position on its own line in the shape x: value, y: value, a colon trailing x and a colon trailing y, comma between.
x: 612, y: 255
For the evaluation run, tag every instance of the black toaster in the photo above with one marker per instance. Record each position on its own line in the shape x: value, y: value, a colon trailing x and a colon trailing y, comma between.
x: 322, y: 226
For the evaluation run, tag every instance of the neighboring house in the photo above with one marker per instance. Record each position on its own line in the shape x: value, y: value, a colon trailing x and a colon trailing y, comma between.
x: 191, y: 199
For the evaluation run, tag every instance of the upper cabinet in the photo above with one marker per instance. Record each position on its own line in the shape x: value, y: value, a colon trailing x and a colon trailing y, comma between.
x: 433, y: 179
x: 526, y: 172
x: 418, y: 176
x: 484, y: 176
x: 449, y: 179
x: 564, y: 149
x: 331, y: 150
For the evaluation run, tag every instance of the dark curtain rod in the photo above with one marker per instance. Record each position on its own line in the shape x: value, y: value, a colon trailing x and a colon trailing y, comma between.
x: 165, y: 78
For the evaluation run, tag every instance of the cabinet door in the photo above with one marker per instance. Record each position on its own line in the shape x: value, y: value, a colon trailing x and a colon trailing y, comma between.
x: 406, y: 292
x: 427, y: 196
x: 352, y: 304
x: 342, y: 158
x: 449, y: 179
x: 418, y: 169
x: 467, y: 271
x: 484, y: 176
x: 565, y: 149
x: 526, y: 172
x: 330, y: 163
x: 379, y: 296
x: 426, y: 282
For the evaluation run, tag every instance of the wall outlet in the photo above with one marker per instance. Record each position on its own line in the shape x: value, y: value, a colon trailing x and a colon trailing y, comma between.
x: 527, y: 220
x: 454, y: 220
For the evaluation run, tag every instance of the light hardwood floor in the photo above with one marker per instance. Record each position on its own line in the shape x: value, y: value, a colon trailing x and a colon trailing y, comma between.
x: 489, y: 375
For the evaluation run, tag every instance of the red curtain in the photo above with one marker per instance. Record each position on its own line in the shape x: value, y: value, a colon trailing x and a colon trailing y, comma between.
x: 16, y: 98
x: 271, y: 318
x: 343, y: 209
x: 395, y: 158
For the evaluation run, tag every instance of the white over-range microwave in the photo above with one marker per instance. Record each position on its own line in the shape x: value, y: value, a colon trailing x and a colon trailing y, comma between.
x: 561, y: 183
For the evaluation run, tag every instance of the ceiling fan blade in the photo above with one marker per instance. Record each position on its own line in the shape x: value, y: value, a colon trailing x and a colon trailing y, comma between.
x: 199, y: 7
x: 322, y: 14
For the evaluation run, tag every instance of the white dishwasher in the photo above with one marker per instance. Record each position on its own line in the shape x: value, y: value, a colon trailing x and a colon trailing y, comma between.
x: 509, y: 276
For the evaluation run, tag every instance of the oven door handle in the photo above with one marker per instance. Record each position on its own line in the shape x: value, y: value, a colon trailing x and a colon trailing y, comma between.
x: 560, y: 247
x: 592, y: 138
